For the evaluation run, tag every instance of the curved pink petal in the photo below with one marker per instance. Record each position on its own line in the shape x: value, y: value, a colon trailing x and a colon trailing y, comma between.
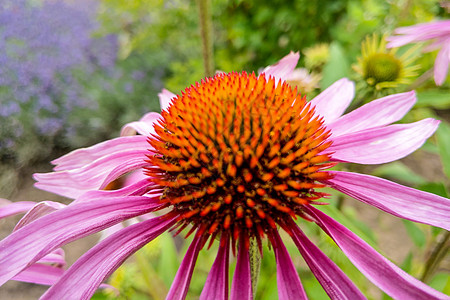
x: 282, y: 68
x: 393, y: 198
x: 442, y: 62
x: 383, y: 273
x: 165, y: 99
x: 288, y: 281
x: 334, y: 100
x: 241, y: 287
x: 335, y: 283
x: 136, y: 189
x: 14, y: 208
x: 81, y: 157
x: 382, y: 145
x: 31, y: 242
x: 54, y: 257
x: 144, y: 126
x: 73, y: 183
x: 82, y: 279
x: 376, y: 113
x: 419, y: 33
x: 216, y: 285
x: 180, y: 283
x: 39, y: 209
x: 40, y: 274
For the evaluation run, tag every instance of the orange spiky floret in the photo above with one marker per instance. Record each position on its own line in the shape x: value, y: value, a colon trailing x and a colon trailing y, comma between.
x: 236, y: 154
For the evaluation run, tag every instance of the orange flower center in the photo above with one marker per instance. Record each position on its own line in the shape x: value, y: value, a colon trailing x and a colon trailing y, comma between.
x: 238, y: 154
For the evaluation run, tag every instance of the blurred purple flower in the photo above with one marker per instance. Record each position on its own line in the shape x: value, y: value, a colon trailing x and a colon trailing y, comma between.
x: 43, y: 48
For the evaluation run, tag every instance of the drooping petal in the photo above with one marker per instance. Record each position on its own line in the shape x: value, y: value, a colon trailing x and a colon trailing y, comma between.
x: 282, y: 68
x: 216, y: 285
x: 393, y: 198
x: 136, y: 189
x: 382, y: 145
x: 80, y: 157
x: 31, y: 242
x: 180, y: 284
x: 73, y: 183
x: 442, y: 62
x: 165, y: 98
x: 332, y: 102
x: 383, y: 273
x: 418, y: 33
x: 335, y: 283
x: 39, y: 209
x: 241, y: 287
x: 376, y: 113
x: 9, y: 208
x: 82, y: 279
x: 288, y: 281
x: 144, y: 126
x: 40, y: 274
x: 57, y: 256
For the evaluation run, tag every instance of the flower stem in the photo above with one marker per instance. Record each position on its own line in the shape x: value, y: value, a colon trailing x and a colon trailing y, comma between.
x: 205, y: 20
x: 438, y: 253
x: 255, y: 264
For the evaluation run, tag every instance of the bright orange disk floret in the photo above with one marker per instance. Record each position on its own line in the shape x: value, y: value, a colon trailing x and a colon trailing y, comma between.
x: 239, y: 153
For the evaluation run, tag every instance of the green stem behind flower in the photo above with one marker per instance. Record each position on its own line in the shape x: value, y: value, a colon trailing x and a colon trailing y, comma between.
x: 438, y: 253
x: 204, y: 14
x: 255, y: 264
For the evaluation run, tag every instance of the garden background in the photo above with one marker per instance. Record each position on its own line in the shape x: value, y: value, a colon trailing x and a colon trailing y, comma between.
x: 73, y: 72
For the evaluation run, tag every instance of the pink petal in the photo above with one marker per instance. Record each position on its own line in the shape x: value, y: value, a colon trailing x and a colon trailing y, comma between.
x: 288, y: 281
x: 81, y: 157
x: 376, y: 113
x: 40, y: 274
x: 180, y: 284
x: 282, y: 69
x: 382, y: 145
x: 419, y: 33
x: 165, y: 99
x: 39, y: 209
x: 88, y: 272
x: 57, y: 256
x: 73, y: 183
x: 14, y: 208
x: 335, y: 283
x: 383, y: 273
x: 31, y: 242
x: 216, y: 285
x: 136, y: 189
x: 393, y: 198
x: 333, y: 101
x: 442, y: 62
x: 144, y: 126
x: 241, y: 288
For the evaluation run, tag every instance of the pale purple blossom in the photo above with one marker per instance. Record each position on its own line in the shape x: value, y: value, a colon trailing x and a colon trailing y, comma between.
x: 437, y: 33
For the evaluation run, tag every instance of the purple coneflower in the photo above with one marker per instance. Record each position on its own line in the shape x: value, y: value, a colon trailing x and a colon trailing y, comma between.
x: 439, y: 31
x: 235, y: 158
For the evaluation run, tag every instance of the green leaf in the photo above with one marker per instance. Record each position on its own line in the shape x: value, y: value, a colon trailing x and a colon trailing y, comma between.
x: 398, y: 170
x: 407, y: 263
x: 337, y: 66
x: 443, y: 141
x: 437, y: 188
x: 441, y: 282
x: 439, y: 99
x: 415, y: 233
x: 168, y: 262
x: 352, y: 225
